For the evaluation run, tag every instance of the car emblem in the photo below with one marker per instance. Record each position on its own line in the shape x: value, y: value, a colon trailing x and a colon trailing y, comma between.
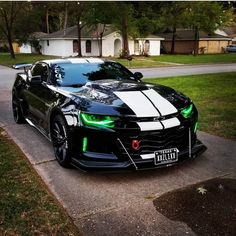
x: 135, y: 144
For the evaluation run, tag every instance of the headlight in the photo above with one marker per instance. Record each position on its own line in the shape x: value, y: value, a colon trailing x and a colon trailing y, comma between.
x: 187, y: 112
x: 97, y: 120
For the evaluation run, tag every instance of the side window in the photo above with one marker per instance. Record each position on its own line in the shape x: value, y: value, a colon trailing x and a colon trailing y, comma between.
x: 40, y: 69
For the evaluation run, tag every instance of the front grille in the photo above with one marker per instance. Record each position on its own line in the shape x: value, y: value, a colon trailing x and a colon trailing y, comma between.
x: 157, y: 140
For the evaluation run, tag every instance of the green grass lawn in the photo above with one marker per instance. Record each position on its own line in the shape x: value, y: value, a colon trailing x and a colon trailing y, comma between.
x: 26, y: 206
x: 6, y: 60
x: 140, y: 62
x: 200, y: 59
x: 137, y: 62
x: 215, y: 97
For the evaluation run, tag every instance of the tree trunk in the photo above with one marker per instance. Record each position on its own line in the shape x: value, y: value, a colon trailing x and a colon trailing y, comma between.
x: 8, y: 34
x: 47, y: 20
x: 172, y: 51
x: 65, y: 15
x: 125, y: 37
x: 196, y: 41
x: 100, y: 40
x: 79, y: 37
x: 100, y: 45
x: 9, y: 39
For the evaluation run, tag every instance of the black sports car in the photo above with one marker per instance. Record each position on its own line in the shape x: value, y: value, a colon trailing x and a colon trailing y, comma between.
x: 100, y: 115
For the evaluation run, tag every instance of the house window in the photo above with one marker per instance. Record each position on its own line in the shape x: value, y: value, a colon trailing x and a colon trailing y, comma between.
x: 88, y: 46
x: 75, y: 45
x: 47, y: 42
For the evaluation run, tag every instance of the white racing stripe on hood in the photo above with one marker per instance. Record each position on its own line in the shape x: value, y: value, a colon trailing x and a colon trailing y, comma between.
x: 158, y: 125
x: 148, y: 126
x: 139, y: 103
x: 172, y: 122
x: 162, y: 104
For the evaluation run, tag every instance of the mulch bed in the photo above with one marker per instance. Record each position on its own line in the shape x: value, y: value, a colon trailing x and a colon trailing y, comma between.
x: 208, y: 208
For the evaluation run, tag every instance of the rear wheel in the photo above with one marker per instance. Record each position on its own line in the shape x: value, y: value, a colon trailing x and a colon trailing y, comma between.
x: 17, y: 112
x: 61, y: 141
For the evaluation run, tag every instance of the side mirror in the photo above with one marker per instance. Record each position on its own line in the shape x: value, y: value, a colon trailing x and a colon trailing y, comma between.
x: 138, y: 75
x: 35, y: 80
x: 24, y: 66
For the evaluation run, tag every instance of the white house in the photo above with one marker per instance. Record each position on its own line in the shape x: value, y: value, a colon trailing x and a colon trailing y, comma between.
x: 26, y: 48
x: 65, y: 43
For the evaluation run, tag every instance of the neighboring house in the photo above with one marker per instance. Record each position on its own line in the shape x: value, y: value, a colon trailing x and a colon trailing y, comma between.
x: 65, y: 43
x: 184, y: 43
x: 231, y: 32
x: 23, y: 48
x: 27, y: 47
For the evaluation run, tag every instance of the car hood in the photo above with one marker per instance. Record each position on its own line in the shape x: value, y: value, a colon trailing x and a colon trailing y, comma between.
x: 116, y: 97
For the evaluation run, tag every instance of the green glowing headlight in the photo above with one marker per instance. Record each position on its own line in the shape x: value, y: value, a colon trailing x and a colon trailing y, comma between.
x: 196, y: 127
x: 98, y: 120
x: 187, y: 112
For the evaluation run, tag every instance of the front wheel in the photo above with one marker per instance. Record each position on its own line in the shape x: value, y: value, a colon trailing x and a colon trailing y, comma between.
x: 17, y: 112
x: 61, y: 141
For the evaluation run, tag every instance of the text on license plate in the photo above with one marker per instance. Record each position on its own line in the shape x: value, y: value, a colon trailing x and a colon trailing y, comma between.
x: 166, y: 156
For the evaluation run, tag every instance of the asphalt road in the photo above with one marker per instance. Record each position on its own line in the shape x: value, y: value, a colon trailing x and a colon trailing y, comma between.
x: 186, y: 70
x: 121, y: 203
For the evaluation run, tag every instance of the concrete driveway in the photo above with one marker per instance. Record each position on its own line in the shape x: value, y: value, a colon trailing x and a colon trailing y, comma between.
x: 115, y: 204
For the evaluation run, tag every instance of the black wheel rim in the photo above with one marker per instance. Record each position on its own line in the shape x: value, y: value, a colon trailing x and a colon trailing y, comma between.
x: 60, y: 142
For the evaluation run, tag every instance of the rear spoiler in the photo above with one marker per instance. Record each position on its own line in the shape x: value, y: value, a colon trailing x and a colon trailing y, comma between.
x: 22, y: 65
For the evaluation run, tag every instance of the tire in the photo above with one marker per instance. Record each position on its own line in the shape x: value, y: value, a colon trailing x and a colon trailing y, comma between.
x: 17, y: 112
x: 61, y: 141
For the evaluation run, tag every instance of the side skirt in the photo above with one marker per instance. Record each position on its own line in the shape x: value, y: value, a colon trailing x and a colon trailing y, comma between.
x: 31, y: 123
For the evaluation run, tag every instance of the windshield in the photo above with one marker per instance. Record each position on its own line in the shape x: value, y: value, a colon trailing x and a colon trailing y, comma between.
x: 67, y: 74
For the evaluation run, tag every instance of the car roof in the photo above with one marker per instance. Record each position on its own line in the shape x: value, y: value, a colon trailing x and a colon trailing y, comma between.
x: 73, y: 61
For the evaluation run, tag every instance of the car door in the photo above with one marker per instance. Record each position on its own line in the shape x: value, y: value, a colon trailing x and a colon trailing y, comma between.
x: 39, y: 96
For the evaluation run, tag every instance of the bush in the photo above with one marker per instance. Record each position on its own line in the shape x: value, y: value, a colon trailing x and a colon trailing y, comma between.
x: 4, y: 48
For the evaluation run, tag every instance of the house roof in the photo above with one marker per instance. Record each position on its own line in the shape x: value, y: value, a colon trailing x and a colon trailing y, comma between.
x: 188, y: 34
x: 38, y: 35
x: 72, y: 33
x: 231, y: 30
x: 87, y: 33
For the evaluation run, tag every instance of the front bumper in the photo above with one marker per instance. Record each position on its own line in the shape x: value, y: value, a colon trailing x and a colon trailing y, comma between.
x: 109, y: 152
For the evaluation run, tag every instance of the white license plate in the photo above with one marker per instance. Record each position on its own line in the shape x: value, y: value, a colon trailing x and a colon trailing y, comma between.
x: 166, y: 156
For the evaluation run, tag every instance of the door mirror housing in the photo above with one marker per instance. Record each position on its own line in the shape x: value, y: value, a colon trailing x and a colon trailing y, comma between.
x: 35, y: 80
x: 138, y: 75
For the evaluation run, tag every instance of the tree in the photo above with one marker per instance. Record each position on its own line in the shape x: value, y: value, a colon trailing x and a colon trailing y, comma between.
x: 98, y: 17
x: 9, y: 12
x: 146, y: 20
x: 206, y: 16
x: 173, y: 16
x: 125, y: 23
x: 80, y: 11
x: 144, y: 26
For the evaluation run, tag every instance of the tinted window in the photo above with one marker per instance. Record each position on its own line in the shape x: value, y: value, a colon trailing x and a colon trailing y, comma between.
x: 79, y: 74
